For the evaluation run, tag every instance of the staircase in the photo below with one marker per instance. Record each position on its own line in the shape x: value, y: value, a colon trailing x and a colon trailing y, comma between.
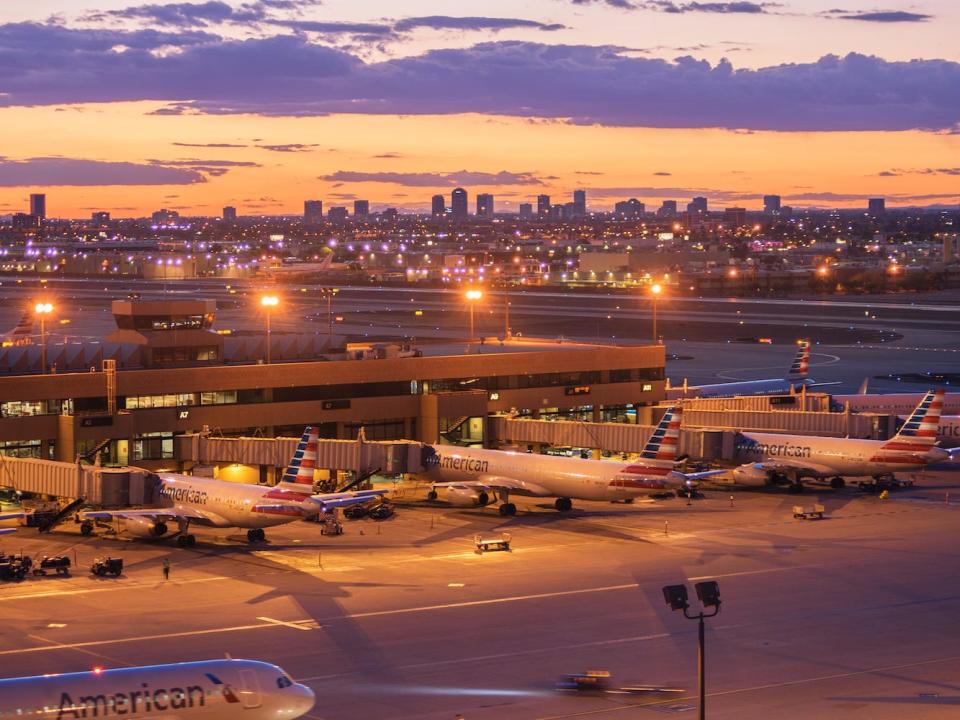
x: 65, y: 512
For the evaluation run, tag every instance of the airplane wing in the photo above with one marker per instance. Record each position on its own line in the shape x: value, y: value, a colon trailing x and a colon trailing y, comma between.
x: 502, y: 482
x: 700, y: 475
x: 338, y: 500
x: 10, y: 516
x: 782, y: 464
x: 158, y: 514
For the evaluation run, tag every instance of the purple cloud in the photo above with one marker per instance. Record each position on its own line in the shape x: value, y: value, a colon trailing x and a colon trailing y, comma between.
x: 290, y: 76
x: 898, y: 16
x: 288, y: 147
x: 435, y: 179
x: 208, y: 145
x: 445, y: 22
x: 750, y: 8
x: 203, y: 14
x: 59, y: 171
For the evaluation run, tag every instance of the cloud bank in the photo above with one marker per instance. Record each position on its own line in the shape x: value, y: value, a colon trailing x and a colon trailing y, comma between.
x: 58, y: 171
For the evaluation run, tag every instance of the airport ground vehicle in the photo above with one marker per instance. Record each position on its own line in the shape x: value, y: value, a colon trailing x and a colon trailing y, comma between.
x: 107, y: 566
x: 57, y: 564
x: 14, y: 567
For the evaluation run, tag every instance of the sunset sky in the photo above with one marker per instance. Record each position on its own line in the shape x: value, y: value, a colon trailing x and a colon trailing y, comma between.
x: 131, y: 107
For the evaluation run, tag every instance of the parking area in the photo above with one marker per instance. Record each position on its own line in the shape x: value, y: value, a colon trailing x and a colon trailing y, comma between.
x: 850, y: 615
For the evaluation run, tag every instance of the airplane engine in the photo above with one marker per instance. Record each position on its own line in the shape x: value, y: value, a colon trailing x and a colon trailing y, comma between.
x: 753, y: 475
x: 467, y: 497
x: 145, y: 528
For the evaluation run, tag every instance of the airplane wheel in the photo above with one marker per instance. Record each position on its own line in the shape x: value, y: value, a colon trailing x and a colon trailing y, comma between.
x: 86, y: 529
x: 508, y: 509
x: 432, y: 495
x: 837, y: 483
x: 563, y: 504
x: 256, y: 535
x: 795, y: 488
x: 483, y: 499
x: 182, y: 541
x: 191, y: 540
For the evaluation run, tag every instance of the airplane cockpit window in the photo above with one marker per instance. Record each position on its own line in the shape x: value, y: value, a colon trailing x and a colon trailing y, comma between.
x: 284, y: 682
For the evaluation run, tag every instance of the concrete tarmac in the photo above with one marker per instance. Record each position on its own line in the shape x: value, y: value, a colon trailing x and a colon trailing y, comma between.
x: 851, y: 616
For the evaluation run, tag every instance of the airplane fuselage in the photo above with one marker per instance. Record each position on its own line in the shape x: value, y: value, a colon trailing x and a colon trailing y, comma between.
x: 895, y: 403
x: 840, y: 456
x: 207, y: 690
x: 780, y: 386
x: 545, y: 475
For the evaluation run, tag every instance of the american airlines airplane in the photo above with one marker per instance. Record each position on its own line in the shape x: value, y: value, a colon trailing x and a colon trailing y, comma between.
x: 773, y: 457
x: 207, y: 690
x: 890, y: 403
x: 796, y: 378
x: 190, y: 500
x: 7, y: 531
x: 474, y: 477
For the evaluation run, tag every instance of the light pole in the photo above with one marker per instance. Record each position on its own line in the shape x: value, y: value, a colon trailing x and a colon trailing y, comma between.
x: 43, y: 309
x: 269, y: 302
x: 708, y: 592
x: 329, y: 294
x: 472, y: 297
x: 655, y: 291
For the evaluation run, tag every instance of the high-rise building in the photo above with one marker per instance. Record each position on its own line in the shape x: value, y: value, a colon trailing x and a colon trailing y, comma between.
x: 390, y: 215
x: 313, y: 212
x: 771, y: 204
x: 876, y: 206
x: 668, y: 209
x: 38, y: 205
x: 543, y: 206
x: 100, y: 218
x: 736, y: 216
x: 629, y: 209
x: 361, y: 208
x: 438, y: 206
x: 458, y: 204
x: 229, y: 214
x: 579, y: 203
x: 485, y: 205
x: 337, y: 214
x: 697, y: 205
x: 526, y: 211
x: 165, y: 217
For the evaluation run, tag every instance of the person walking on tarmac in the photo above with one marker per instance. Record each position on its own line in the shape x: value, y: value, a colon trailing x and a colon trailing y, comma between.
x: 166, y: 569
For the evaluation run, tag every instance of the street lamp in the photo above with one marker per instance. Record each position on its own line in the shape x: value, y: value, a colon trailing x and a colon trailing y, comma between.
x: 329, y: 294
x: 708, y: 592
x: 472, y: 297
x: 269, y: 302
x: 655, y: 291
x: 43, y: 309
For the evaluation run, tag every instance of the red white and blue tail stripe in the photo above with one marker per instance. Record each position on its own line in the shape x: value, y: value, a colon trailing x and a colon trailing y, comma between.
x: 801, y: 363
x: 918, y: 434
x: 660, y: 453
x: 304, y: 461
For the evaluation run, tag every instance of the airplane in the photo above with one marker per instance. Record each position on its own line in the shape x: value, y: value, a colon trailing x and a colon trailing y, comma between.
x: 900, y: 403
x: 774, y: 457
x: 325, y: 269
x: 204, y: 501
x: 205, y: 690
x: 471, y: 476
x: 796, y: 378
x: 21, y: 334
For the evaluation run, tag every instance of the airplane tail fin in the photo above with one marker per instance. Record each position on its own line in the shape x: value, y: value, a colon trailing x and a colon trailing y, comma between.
x: 921, y: 427
x: 661, y: 449
x: 864, y: 386
x: 300, y: 470
x: 801, y: 363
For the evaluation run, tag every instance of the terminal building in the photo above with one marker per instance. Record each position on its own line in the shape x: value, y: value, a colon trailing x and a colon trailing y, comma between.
x: 166, y: 373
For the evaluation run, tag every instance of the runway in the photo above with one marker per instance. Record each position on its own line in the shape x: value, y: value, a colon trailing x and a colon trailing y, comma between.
x: 849, y: 616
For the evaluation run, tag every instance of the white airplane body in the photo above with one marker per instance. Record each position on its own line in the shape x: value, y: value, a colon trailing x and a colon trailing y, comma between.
x: 207, y: 690
x: 795, y: 379
x: 768, y: 455
x: 9, y: 530
x: 204, y: 501
x: 890, y: 403
x: 469, y: 476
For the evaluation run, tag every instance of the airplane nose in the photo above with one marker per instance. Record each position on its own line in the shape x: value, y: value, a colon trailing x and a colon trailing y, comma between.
x: 304, y: 701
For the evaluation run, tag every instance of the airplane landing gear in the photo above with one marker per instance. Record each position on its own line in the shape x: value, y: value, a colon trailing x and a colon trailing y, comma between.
x: 432, y: 495
x: 187, y: 541
x: 256, y: 535
x: 508, y: 509
x: 795, y: 488
x: 837, y: 482
x: 563, y: 504
x: 86, y: 528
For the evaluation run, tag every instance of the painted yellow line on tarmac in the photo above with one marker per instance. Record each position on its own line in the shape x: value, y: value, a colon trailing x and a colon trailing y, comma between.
x: 119, y: 586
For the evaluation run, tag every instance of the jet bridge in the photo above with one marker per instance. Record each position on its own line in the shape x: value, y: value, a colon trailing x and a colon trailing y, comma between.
x: 98, y: 486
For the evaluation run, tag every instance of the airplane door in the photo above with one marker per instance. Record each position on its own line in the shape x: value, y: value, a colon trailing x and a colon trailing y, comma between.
x: 250, y: 692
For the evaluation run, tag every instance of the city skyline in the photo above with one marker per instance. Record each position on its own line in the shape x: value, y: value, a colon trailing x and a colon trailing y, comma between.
x: 261, y: 105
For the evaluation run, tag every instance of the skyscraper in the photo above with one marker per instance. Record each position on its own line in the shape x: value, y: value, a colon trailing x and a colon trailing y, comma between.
x: 438, y: 206
x: 697, y: 205
x: 526, y: 211
x: 485, y: 205
x: 668, y: 209
x: 38, y: 205
x: 631, y: 208
x: 579, y: 203
x: 337, y: 214
x: 876, y: 206
x: 361, y: 208
x: 100, y: 217
x: 771, y: 204
x: 543, y: 206
x: 313, y: 212
x: 229, y: 214
x: 736, y: 216
x: 458, y: 204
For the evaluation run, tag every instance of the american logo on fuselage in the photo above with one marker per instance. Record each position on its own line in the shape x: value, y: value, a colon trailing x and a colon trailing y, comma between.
x: 185, y: 494
x: 464, y: 463
x: 132, y: 703
x: 773, y: 450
